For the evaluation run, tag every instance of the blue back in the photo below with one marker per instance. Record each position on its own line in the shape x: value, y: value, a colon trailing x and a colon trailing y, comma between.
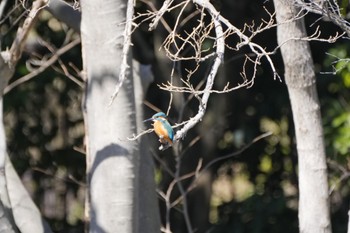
x: 160, y: 116
x: 168, y: 128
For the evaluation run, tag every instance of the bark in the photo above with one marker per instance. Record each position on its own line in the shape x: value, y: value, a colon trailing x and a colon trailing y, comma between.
x: 6, y: 226
x: 26, y: 214
x: 112, y: 160
x: 6, y: 216
x: 314, y: 214
x: 348, y: 222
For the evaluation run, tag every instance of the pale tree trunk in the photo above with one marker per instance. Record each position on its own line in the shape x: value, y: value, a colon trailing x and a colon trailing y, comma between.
x: 314, y: 216
x: 112, y: 160
x: 348, y: 222
x: 6, y: 216
x: 17, y: 211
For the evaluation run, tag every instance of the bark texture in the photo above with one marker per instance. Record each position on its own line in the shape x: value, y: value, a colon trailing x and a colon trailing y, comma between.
x: 6, y: 216
x: 314, y: 214
x: 112, y: 160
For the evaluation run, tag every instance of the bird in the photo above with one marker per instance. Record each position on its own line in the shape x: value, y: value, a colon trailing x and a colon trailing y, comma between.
x: 163, y: 130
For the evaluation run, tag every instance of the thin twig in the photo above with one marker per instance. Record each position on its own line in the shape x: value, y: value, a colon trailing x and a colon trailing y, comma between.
x: 328, y: 10
x: 43, y: 67
x: 167, y: 196
x: 345, y: 174
x: 221, y: 158
x: 183, y: 194
x: 70, y: 178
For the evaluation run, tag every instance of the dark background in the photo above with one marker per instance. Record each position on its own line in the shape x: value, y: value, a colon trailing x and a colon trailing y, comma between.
x: 255, y: 191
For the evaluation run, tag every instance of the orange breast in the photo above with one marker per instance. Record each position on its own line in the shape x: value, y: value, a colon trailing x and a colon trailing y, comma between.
x: 162, y: 133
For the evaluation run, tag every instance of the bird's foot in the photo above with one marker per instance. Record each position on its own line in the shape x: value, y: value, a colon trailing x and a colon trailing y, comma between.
x: 164, y: 146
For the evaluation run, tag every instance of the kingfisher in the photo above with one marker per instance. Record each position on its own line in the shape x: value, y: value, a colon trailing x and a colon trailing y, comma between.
x: 163, y: 130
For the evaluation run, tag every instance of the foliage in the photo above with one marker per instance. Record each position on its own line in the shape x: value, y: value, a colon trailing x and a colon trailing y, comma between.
x: 337, y: 111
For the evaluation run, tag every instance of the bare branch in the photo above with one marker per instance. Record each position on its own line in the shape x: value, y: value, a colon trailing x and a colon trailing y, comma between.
x: 22, y: 32
x: 329, y: 10
x: 44, y: 66
x: 201, y: 170
x: 344, y: 62
x: 159, y: 15
x: 345, y: 174
x: 166, y: 196
x: 127, y: 43
x: 177, y: 44
x: 220, y: 49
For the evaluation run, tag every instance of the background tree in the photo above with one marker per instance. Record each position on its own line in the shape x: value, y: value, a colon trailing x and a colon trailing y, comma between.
x: 301, y: 83
x: 113, y: 177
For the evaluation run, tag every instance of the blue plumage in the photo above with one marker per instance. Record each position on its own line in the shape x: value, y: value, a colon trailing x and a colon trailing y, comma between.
x: 163, y: 129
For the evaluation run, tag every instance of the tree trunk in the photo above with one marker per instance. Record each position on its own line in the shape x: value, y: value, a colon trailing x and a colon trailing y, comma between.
x: 348, y: 222
x: 314, y: 214
x: 6, y: 216
x: 112, y: 160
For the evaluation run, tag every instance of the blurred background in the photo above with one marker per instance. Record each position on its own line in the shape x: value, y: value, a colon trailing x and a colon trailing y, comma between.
x: 255, y: 191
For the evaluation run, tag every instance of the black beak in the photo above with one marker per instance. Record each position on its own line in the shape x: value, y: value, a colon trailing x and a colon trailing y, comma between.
x: 149, y: 119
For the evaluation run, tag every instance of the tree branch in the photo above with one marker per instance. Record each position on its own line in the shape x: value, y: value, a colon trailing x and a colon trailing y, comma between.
x: 56, y: 55
x: 127, y: 43
x: 220, y: 49
x: 22, y: 33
